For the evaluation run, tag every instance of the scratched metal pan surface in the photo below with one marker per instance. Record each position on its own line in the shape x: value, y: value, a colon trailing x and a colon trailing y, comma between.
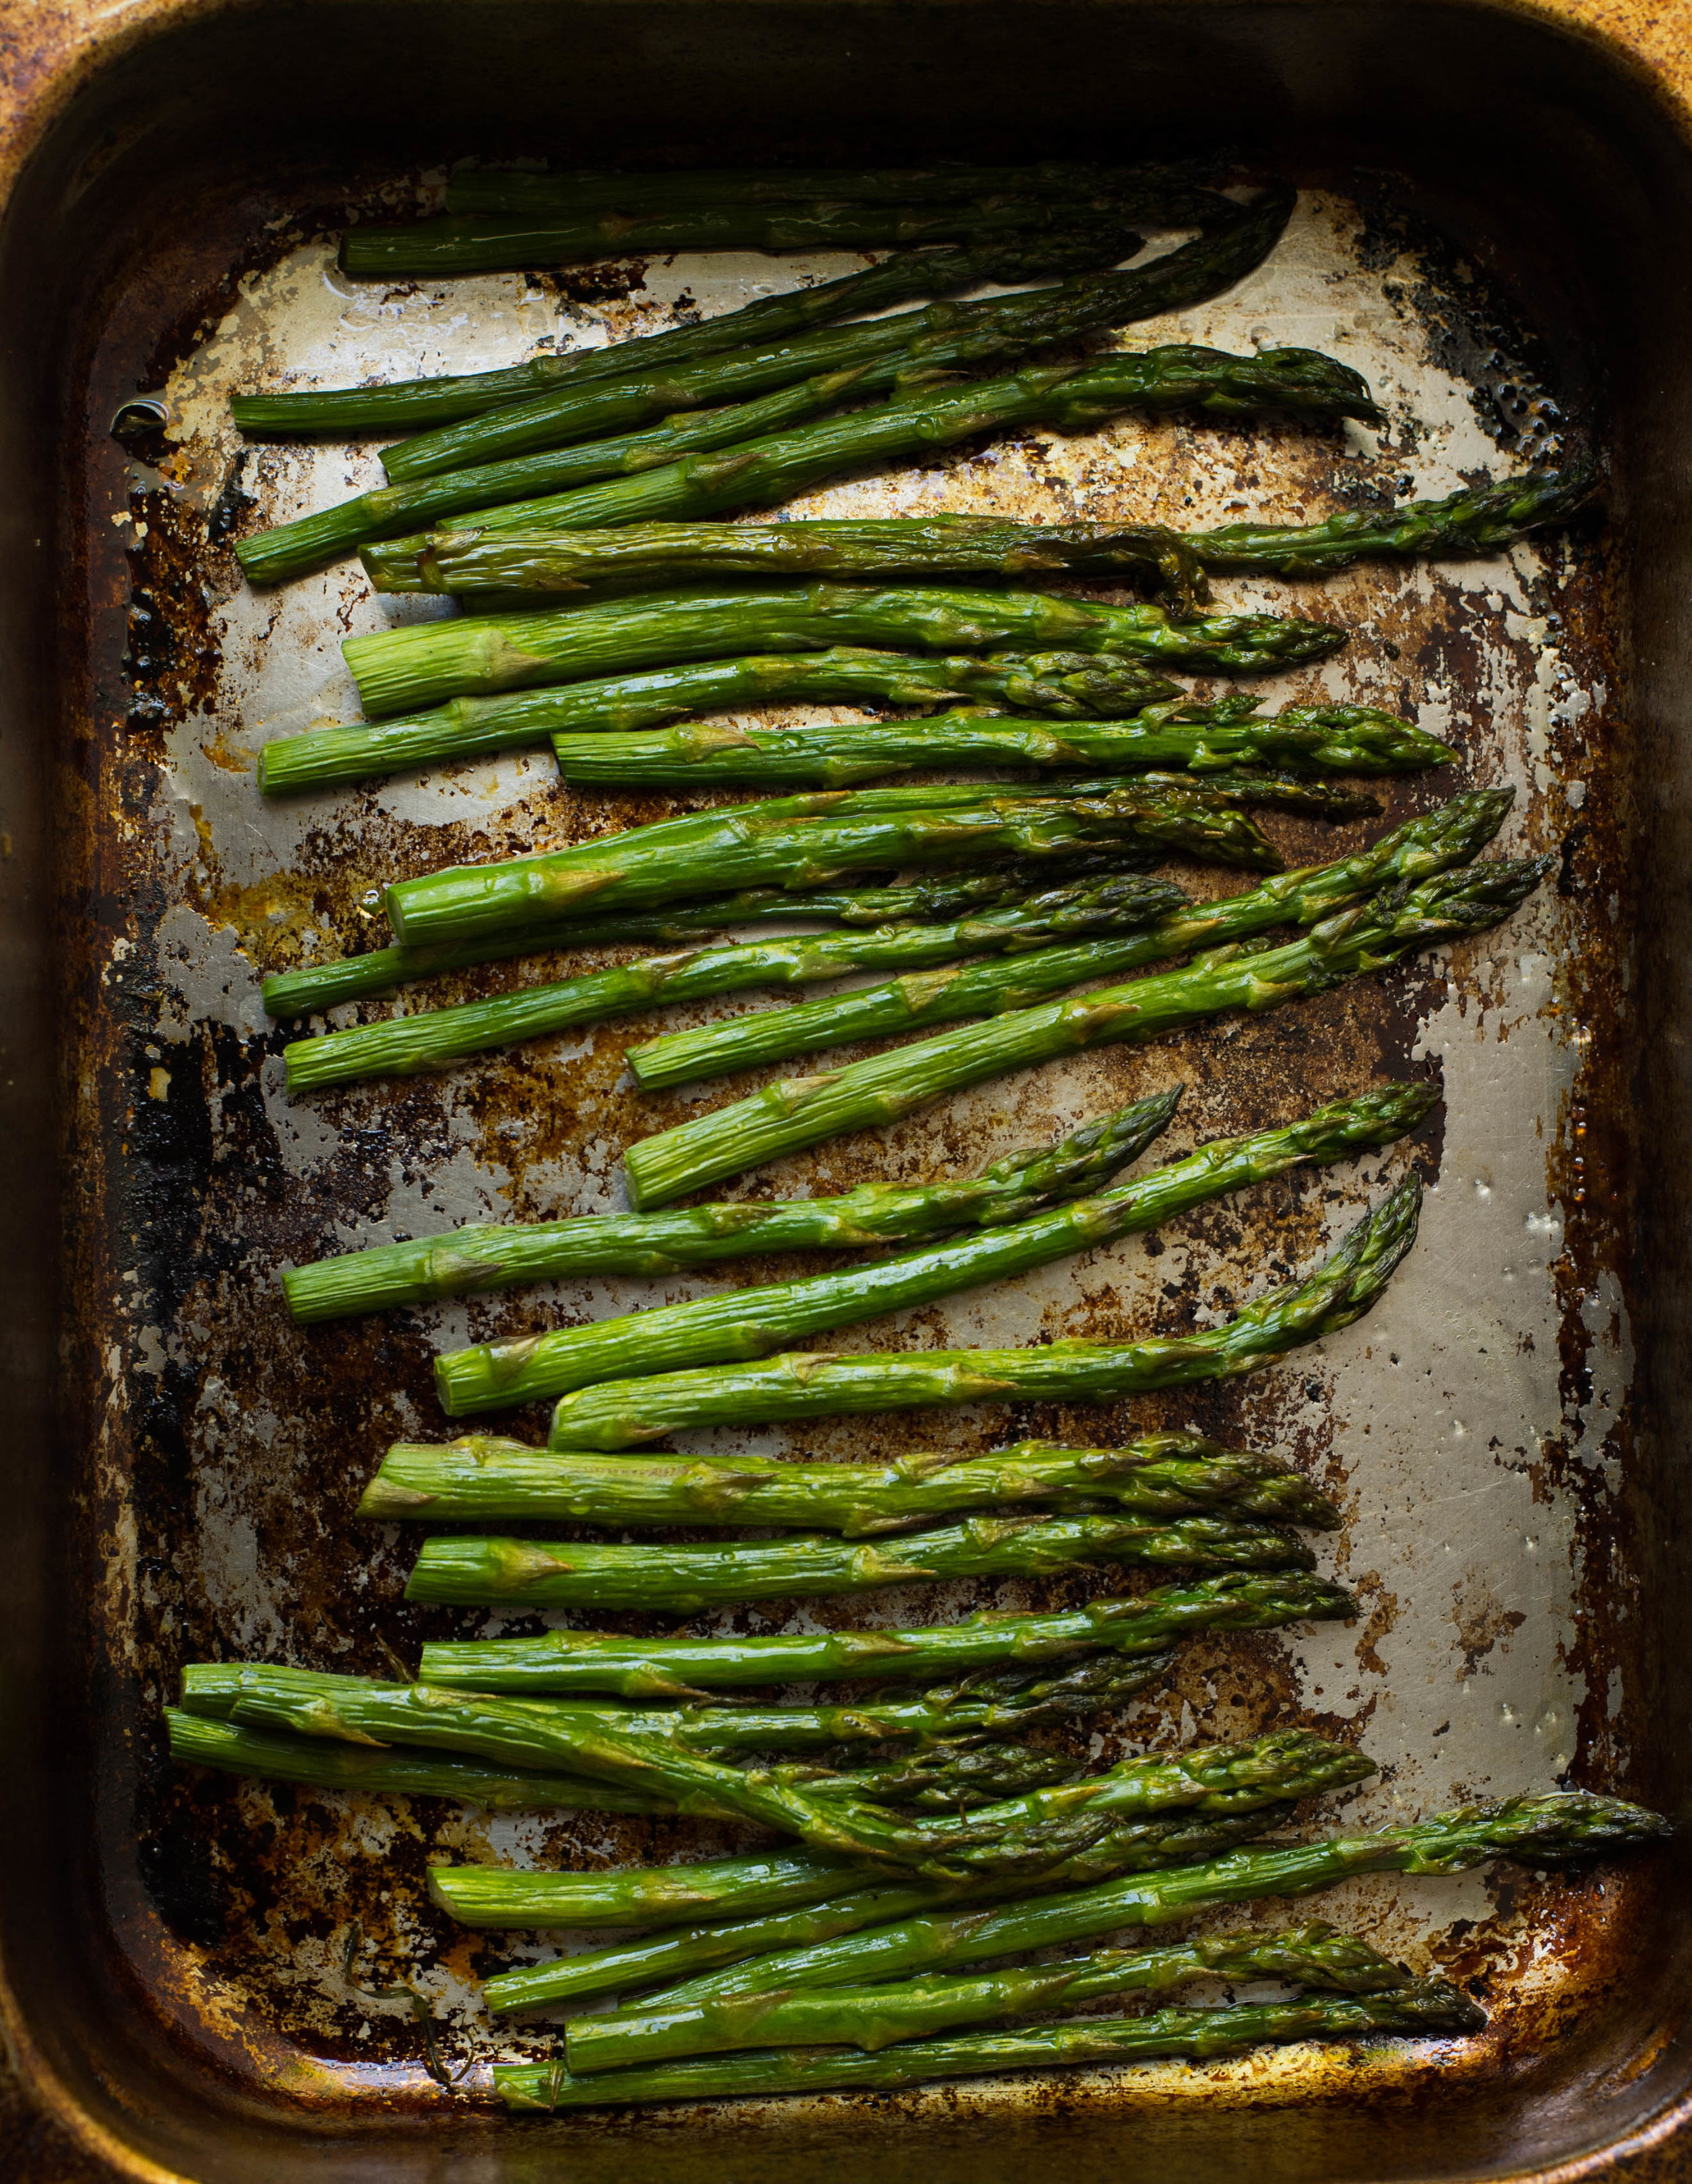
x: 1501, y: 1433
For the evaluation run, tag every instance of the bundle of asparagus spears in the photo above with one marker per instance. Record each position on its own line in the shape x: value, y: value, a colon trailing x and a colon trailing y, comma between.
x: 940, y: 1825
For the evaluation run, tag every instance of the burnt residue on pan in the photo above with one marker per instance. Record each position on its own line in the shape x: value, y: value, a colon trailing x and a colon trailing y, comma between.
x: 227, y: 1447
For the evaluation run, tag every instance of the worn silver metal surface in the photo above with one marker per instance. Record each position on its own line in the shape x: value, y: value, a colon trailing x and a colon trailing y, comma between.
x: 1474, y: 1427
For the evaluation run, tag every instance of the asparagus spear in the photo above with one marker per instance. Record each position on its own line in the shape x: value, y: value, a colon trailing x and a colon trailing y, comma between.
x: 497, y: 1255
x: 1422, y: 2009
x: 646, y: 555
x: 432, y: 1038
x: 1184, y: 276
x: 833, y: 755
x: 198, y: 1739
x: 1068, y: 683
x: 799, y: 1112
x: 1554, y: 1829
x: 684, y: 1668
x: 637, y: 1896
x: 1140, y: 1847
x: 423, y: 401
x: 1478, y: 519
x: 872, y: 2018
x: 1029, y: 1830
x: 894, y: 351
x: 1306, y: 897
x: 471, y: 1571
x: 948, y: 1719
x: 457, y: 242
x: 1172, y: 1474
x: 813, y: 839
x: 823, y: 1384
x: 752, y: 1322
x: 421, y: 664
x: 1154, y: 193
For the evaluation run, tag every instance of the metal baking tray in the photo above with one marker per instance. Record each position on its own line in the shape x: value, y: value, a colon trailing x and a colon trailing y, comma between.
x: 1492, y: 229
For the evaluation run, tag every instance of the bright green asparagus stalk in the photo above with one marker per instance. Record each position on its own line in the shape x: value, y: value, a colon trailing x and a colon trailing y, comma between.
x: 458, y: 242
x: 801, y: 1111
x: 810, y: 839
x: 1552, y: 1829
x: 198, y: 1739
x: 475, y: 1570
x: 833, y: 755
x: 1064, y: 682
x: 407, y: 403
x: 903, y: 349
x: 637, y: 1896
x: 542, y: 235
x: 1151, y: 194
x: 949, y: 1720
x: 1426, y: 2009
x: 500, y: 1255
x: 484, y: 492
x: 752, y: 1322
x: 1032, y: 1830
x: 874, y: 2018
x: 647, y: 555
x: 421, y: 664
x: 823, y: 1384
x: 432, y: 1038
x: 871, y: 1900
x: 1306, y: 897
x: 1168, y: 1474
x: 686, y: 1667
x: 1478, y: 520
x: 933, y: 896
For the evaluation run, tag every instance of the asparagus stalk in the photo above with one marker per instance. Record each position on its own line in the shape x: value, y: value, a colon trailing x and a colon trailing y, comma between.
x: 891, y: 351
x: 872, y: 2018
x: 1307, y: 896
x: 752, y: 1322
x: 475, y: 1570
x: 686, y: 1668
x: 1154, y: 193
x: 833, y: 755
x: 420, y: 665
x: 946, y: 1720
x: 1186, y: 276
x: 811, y: 840
x: 1067, y: 682
x: 1477, y: 520
x: 1554, y: 1829
x: 1034, y: 1830
x: 408, y: 403
x: 1140, y: 1847
x: 798, y: 1111
x: 457, y: 242
x: 1423, y: 2010
x: 500, y: 1254
x: 432, y: 1038
x: 823, y: 1384
x: 1167, y: 1474
x: 198, y: 1739
x: 646, y: 555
